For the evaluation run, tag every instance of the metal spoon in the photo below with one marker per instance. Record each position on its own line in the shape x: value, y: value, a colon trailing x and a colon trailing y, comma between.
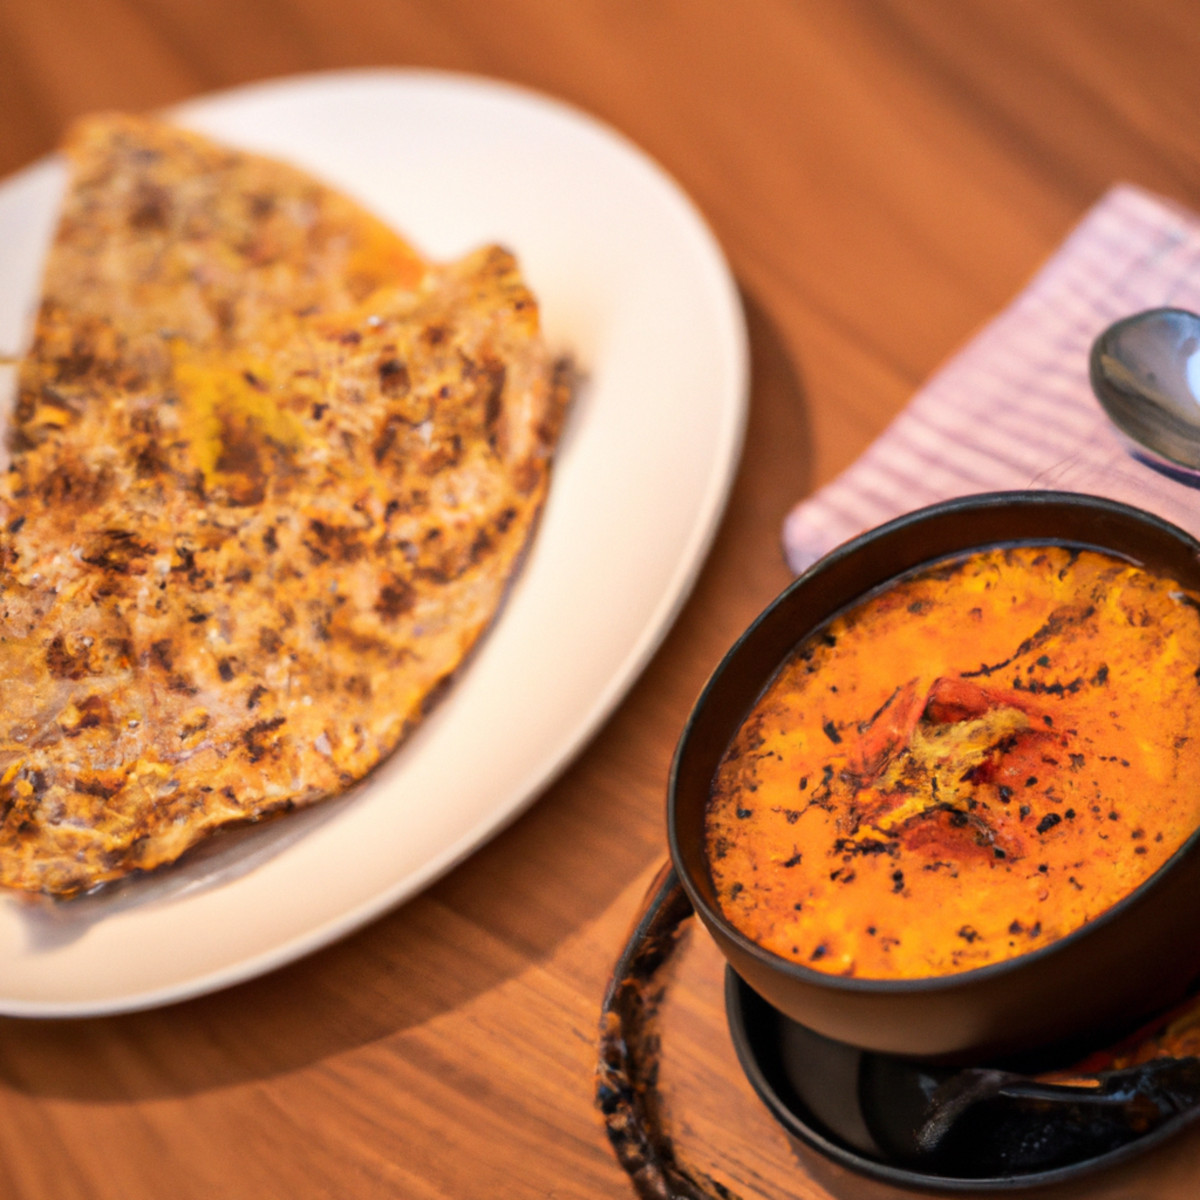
x: 1145, y: 372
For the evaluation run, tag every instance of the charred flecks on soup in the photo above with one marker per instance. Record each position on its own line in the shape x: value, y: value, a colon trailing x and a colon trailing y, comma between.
x: 969, y: 764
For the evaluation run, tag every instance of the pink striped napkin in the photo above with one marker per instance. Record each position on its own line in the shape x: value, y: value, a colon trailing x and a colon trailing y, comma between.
x: 1014, y: 409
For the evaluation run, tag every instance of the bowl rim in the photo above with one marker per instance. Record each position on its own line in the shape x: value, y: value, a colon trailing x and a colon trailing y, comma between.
x: 928, y: 985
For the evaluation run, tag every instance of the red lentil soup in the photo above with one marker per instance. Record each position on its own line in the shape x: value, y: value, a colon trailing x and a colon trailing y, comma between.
x: 971, y: 763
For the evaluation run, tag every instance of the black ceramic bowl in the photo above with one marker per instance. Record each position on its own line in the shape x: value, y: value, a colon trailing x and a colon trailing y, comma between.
x: 1139, y: 955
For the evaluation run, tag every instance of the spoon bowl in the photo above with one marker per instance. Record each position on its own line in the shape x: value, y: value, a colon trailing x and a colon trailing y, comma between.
x: 1145, y: 371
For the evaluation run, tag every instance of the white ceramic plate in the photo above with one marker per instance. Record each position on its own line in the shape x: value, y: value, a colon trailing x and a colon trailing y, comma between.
x: 632, y: 283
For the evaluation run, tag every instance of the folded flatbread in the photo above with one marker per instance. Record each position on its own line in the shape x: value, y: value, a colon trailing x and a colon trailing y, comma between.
x: 272, y: 474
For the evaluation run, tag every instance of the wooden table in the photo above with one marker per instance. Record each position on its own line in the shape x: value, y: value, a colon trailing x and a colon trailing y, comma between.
x: 883, y: 176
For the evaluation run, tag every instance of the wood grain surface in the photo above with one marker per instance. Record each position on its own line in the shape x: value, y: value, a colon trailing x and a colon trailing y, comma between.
x: 883, y: 176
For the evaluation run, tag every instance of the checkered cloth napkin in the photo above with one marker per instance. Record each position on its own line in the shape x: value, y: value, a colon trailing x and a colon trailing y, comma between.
x: 1014, y: 408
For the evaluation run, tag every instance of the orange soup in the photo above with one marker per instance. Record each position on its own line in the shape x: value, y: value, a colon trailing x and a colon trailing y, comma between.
x: 971, y: 763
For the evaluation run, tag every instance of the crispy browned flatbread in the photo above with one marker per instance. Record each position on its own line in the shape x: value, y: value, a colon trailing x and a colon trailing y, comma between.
x: 272, y: 475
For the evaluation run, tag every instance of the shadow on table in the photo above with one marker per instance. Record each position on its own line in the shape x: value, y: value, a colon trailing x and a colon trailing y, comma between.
x: 597, y: 831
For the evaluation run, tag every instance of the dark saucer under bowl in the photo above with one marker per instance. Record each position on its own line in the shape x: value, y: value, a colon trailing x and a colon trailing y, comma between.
x: 863, y: 1109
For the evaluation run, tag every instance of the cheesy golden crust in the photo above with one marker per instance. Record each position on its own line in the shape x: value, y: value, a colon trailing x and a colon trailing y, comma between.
x: 970, y: 764
x: 272, y: 475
